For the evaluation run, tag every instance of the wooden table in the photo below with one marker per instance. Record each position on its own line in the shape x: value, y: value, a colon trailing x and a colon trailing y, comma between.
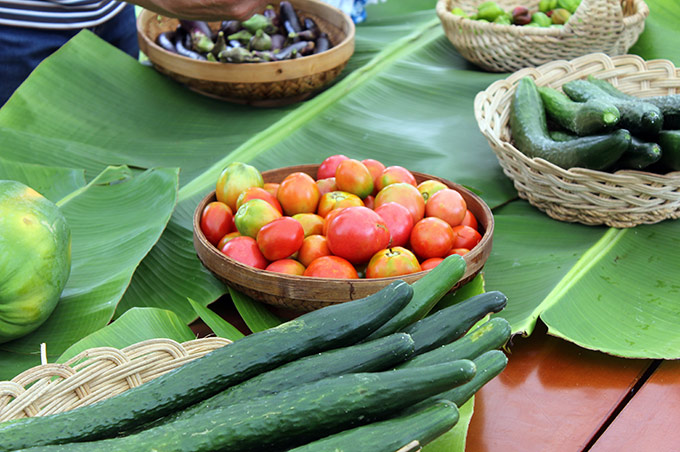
x: 557, y: 397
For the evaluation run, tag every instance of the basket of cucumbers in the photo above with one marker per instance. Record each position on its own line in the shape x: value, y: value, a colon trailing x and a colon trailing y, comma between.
x: 594, y: 140
x: 507, y: 35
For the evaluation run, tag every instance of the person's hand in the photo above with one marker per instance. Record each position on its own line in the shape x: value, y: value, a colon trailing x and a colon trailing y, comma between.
x: 204, y: 9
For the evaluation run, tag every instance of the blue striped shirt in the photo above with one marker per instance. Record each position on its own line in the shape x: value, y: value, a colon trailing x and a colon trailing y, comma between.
x: 58, y: 14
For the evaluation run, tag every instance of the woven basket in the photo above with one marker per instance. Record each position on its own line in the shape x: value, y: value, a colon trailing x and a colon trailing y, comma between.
x: 606, y: 26
x: 622, y: 199
x: 95, y: 374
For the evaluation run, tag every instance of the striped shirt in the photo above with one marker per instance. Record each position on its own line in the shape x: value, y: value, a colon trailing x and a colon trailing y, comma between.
x: 58, y: 14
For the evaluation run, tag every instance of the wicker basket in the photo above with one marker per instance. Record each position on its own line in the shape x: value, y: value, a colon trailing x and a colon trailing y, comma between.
x: 607, y: 26
x: 95, y: 374
x: 622, y: 199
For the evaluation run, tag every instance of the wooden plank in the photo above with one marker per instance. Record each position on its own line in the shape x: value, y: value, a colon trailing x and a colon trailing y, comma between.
x: 553, y: 396
x: 650, y: 420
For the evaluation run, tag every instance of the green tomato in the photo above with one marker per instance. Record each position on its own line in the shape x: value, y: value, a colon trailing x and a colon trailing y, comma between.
x: 35, y: 258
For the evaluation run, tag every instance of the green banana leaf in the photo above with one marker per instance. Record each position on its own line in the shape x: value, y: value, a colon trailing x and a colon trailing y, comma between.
x: 115, y: 219
x: 217, y: 324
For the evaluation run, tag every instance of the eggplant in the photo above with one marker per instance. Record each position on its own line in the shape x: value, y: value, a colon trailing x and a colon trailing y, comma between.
x: 301, y: 47
x: 260, y: 41
x: 309, y: 24
x: 229, y: 27
x: 259, y: 22
x: 243, y: 36
x: 270, y: 13
x: 304, y: 35
x: 238, y: 55
x: 287, y: 14
x: 220, y: 44
x: 200, y: 33
x: 264, y: 55
x: 278, y: 41
x: 166, y: 41
x: 235, y: 43
x: 187, y: 52
x: 197, y: 26
x: 323, y: 43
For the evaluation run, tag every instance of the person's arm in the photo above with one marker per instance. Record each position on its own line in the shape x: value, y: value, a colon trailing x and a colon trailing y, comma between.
x: 204, y: 9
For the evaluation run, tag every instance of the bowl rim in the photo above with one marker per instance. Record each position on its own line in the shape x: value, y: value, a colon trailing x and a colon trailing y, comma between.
x: 481, y: 249
x: 251, y: 72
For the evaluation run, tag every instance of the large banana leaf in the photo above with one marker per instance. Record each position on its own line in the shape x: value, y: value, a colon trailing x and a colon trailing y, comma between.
x: 114, y: 220
x: 405, y: 99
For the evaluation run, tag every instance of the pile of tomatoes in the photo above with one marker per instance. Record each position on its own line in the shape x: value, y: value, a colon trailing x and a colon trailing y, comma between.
x: 356, y: 219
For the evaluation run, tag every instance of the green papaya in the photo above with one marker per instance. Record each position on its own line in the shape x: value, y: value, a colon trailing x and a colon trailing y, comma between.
x: 35, y: 258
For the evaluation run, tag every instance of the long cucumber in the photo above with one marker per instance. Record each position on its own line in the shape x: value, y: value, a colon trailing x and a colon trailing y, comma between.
x: 330, y: 327
x: 391, y: 434
x: 427, y: 292
x: 449, y: 324
x: 379, y: 354
x: 290, y: 418
x: 490, y: 335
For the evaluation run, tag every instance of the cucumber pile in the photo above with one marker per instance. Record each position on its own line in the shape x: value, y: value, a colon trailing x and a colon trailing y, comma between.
x: 591, y: 124
x: 320, y: 382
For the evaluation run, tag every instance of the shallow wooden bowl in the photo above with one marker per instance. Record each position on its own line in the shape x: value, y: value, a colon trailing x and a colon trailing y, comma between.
x: 302, y: 293
x: 260, y: 84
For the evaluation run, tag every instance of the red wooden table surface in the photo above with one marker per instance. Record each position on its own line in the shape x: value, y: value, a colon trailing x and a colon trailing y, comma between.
x: 557, y: 397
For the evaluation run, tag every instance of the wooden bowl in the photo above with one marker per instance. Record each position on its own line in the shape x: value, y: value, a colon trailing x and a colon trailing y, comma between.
x: 303, y: 293
x: 260, y: 84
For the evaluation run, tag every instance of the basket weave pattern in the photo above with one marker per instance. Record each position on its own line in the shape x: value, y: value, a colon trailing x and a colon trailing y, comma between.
x: 622, y: 199
x: 95, y: 374
x: 606, y: 26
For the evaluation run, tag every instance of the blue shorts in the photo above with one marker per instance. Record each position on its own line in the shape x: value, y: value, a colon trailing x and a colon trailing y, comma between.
x: 22, y: 49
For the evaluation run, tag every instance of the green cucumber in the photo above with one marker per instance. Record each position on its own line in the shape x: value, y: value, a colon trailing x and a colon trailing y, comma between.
x: 489, y: 365
x: 640, y: 154
x: 581, y: 118
x: 379, y: 354
x: 427, y: 292
x: 670, y: 108
x: 330, y: 327
x: 449, y: 324
x: 669, y: 140
x: 639, y: 117
x: 291, y: 418
x: 392, y: 434
x: 531, y: 137
x: 490, y: 335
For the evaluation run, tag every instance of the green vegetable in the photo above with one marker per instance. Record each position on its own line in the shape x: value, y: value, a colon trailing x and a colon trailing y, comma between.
x: 220, y: 44
x: 489, y: 11
x: 530, y: 135
x: 427, y: 292
x: 459, y: 12
x: 669, y: 140
x: 35, y: 258
x: 503, y: 19
x: 640, y: 154
x: 547, y: 5
x: 541, y: 19
x: 448, y: 324
x: 376, y: 355
x: 639, y: 117
x: 333, y: 326
x: 582, y: 118
x: 569, y: 5
x: 258, y: 22
x: 490, y: 335
x: 670, y: 109
x: 260, y: 41
x: 560, y: 16
x: 293, y: 417
x: 489, y: 365
x: 242, y: 36
x: 392, y: 434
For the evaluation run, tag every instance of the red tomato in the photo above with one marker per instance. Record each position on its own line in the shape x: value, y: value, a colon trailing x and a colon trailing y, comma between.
x: 356, y: 234
x: 326, y: 185
x: 430, y: 263
x: 431, y: 237
x: 395, y: 174
x: 234, y: 179
x: 459, y: 251
x: 311, y: 223
x: 337, y: 199
x: 331, y: 267
x: 332, y: 214
x: 470, y: 220
x: 280, y: 238
x: 405, y: 194
x: 244, y: 249
x: 369, y: 201
x: 313, y: 246
x: 394, y: 261
x: 329, y: 165
x: 217, y: 220
x: 352, y: 176
x: 465, y: 237
x: 448, y: 205
x: 429, y: 187
x: 258, y: 193
x: 298, y: 193
x: 226, y: 238
x: 287, y: 266
x: 272, y: 188
x: 375, y: 168
x: 398, y: 220
x: 254, y: 214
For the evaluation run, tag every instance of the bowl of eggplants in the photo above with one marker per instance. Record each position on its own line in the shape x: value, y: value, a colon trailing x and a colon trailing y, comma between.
x: 281, y: 55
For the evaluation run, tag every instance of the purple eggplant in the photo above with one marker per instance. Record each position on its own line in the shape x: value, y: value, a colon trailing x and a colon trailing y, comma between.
x: 323, y: 43
x: 201, y: 35
x: 187, y: 52
x: 196, y: 26
x: 288, y: 14
x: 270, y: 12
x: 166, y: 41
x: 278, y: 41
x: 229, y: 27
x: 302, y: 48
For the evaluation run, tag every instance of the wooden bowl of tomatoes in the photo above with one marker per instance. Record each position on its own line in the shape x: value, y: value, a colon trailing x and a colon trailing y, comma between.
x: 278, y: 246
